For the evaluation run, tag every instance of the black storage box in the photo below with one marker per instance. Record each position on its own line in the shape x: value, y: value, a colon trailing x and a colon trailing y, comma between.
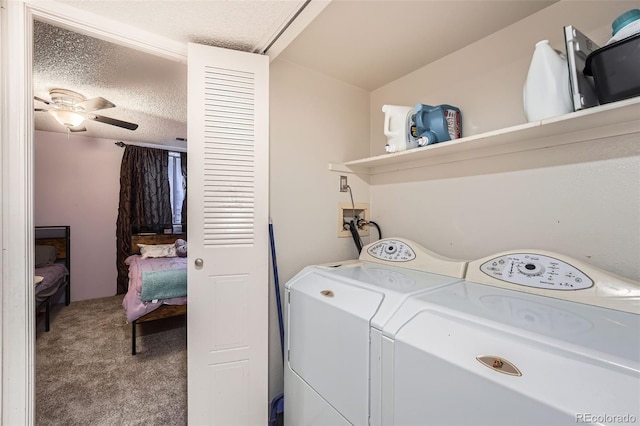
x: 616, y: 69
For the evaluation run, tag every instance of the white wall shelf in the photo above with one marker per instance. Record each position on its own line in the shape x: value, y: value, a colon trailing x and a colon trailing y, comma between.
x: 599, y: 122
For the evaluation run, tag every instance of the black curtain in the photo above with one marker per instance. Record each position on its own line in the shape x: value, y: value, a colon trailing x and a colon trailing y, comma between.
x: 145, y: 200
x: 183, y: 167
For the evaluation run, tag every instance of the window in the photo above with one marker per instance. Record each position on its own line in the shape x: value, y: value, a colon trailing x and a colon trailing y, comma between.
x: 177, y: 186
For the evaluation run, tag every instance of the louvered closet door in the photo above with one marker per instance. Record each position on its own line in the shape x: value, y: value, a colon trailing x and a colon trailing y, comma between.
x: 227, y: 228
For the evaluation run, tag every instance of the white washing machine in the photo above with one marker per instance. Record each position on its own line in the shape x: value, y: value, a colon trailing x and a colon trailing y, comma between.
x: 530, y: 338
x: 333, y: 364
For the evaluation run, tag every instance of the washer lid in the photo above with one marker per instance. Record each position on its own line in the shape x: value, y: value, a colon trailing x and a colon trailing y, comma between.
x: 568, y: 358
x: 603, y: 333
x: 501, y: 377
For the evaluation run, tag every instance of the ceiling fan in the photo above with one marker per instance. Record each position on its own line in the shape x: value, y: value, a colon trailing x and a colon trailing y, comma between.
x: 70, y: 109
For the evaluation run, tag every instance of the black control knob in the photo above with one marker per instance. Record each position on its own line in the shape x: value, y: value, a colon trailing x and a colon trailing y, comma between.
x: 531, y: 269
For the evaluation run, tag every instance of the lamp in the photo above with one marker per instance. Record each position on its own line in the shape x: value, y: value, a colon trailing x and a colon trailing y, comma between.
x: 67, y: 117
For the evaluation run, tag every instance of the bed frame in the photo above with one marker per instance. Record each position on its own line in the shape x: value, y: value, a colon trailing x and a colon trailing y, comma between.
x: 164, y: 311
x: 60, y: 238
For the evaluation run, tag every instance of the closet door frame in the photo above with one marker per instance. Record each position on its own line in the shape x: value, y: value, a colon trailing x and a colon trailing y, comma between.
x: 16, y: 167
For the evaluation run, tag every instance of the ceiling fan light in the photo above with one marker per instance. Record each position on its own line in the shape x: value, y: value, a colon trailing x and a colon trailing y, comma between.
x: 66, y: 117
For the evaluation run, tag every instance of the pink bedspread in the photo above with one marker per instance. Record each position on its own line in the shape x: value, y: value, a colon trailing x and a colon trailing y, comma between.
x: 133, y: 305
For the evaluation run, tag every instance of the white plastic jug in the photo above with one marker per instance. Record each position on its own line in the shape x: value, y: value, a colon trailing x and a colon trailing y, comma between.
x: 398, y: 124
x: 546, y: 92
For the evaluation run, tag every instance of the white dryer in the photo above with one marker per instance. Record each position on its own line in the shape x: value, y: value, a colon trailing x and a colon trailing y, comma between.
x: 531, y: 338
x: 333, y: 364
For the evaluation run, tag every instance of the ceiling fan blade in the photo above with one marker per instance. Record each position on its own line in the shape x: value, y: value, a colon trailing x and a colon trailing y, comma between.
x: 40, y: 109
x: 113, y: 122
x: 95, y: 104
x: 42, y: 100
x: 77, y: 129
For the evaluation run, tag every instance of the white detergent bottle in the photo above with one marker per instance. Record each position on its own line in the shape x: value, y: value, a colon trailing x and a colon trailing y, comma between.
x: 546, y: 91
x: 398, y: 127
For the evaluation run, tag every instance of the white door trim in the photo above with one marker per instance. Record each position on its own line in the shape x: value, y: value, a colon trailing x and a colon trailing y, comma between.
x: 17, y: 323
x: 17, y: 217
x: 65, y: 16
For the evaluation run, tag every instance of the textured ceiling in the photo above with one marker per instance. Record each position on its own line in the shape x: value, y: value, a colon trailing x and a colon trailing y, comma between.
x: 146, y: 89
x: 367, y: 43
x: 236, y: 24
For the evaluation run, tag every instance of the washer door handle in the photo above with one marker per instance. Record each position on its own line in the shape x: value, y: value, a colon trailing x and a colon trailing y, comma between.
x: 499, y: 364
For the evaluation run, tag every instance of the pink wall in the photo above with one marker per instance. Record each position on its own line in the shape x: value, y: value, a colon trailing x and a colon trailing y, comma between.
x: 77, y: 182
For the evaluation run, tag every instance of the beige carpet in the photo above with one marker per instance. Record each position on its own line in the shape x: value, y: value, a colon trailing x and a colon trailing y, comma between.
x: 86, y: 375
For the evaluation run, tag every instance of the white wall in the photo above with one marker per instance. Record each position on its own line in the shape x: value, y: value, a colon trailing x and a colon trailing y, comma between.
x: 77, y: 183
x: 581, y: 200
x: 314, y: 120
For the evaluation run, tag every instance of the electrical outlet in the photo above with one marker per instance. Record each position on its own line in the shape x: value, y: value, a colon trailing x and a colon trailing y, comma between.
x: 348, y: 212
x: 343, y: 184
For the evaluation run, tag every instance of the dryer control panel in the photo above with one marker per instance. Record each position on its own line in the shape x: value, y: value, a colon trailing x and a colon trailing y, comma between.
x: 411, y: 255
x: 536, y: 270
x: 392, y: 250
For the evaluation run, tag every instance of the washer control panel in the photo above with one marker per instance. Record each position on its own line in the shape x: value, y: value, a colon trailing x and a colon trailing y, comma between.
x: 536, y: 270
x: 392, y: 251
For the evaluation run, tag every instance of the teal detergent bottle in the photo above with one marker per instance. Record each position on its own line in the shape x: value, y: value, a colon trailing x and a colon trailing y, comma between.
x: 437, y: 123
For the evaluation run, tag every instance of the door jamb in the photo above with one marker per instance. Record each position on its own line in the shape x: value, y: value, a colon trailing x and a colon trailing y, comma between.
x: 17, y: 366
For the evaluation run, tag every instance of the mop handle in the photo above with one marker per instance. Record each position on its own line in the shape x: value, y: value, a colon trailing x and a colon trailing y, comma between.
x: 277, y: 286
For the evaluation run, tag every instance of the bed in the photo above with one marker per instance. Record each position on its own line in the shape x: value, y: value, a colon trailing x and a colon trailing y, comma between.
x: 52, y: 252
x: 157, y: 280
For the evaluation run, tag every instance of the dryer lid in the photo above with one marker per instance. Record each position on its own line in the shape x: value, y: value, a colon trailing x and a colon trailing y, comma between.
x: 396, y: 284
x: 328, y: 340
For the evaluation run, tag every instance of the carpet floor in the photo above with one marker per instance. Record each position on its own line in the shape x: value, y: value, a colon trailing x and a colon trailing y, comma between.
x: 86, y: 375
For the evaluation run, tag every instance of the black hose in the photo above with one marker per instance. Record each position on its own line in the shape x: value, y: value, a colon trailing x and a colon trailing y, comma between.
x: 377, y: 227
x: 356, y: 237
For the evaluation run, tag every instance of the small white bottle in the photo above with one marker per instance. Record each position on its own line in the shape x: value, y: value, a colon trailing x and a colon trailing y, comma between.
x: 546, y: 92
